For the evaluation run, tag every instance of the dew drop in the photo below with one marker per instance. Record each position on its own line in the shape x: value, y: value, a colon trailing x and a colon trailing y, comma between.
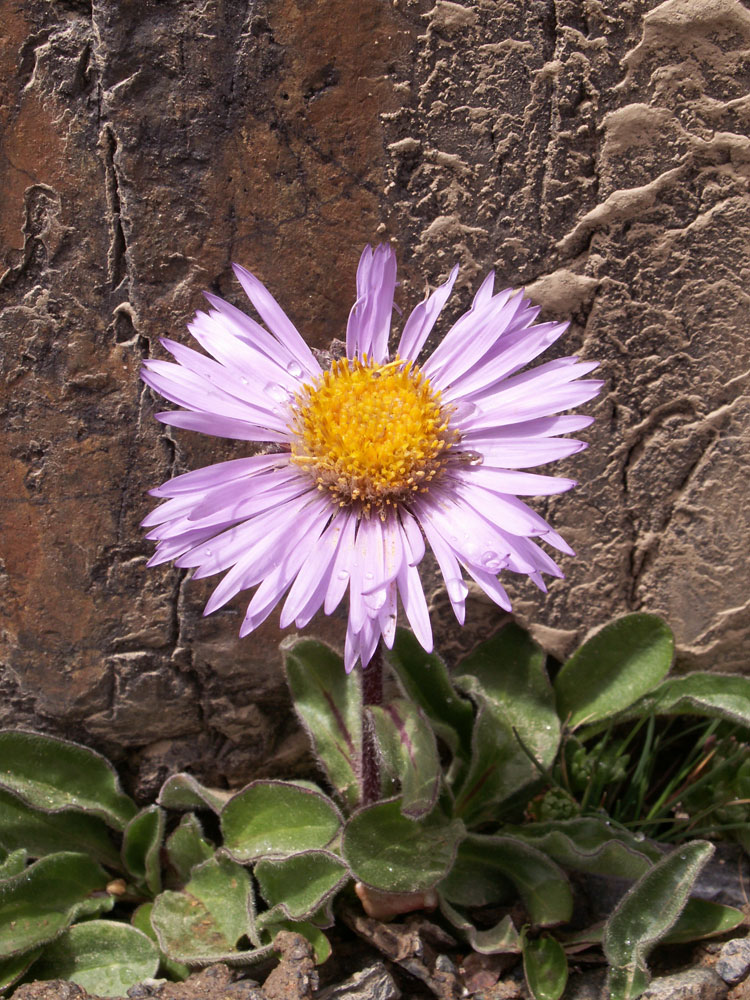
x: 207, y: 552
x: 491, y: 561
x: 472, y: 458
x: 457, y: 589
x: 369, y: 575
x: 343, y: 574
x: 277, y: 392
x: 244, y: 380
x: 639, y: 836
x: 294, y: 369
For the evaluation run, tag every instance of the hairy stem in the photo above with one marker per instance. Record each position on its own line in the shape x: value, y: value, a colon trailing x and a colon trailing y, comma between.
x: 372, y: 694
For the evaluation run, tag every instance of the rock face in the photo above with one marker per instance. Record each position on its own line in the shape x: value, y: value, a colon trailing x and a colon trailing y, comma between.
x: 594, y: 151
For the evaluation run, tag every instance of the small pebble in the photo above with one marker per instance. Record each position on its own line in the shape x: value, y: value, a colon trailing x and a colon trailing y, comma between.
x: 733, y: 963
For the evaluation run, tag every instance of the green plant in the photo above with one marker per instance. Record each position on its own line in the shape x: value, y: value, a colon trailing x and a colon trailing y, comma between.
x: 464, y: 759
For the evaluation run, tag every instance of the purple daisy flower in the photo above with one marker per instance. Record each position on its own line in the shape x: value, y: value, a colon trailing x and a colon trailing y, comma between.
x: 373, y: 458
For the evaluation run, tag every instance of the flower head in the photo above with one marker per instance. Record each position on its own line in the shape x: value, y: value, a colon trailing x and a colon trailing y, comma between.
x: 372, y: 458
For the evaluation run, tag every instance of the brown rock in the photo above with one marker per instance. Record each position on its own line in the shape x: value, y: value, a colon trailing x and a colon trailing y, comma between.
x: 595, y: 152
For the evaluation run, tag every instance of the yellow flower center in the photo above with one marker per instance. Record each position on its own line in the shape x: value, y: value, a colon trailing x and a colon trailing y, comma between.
x: 371, y: 434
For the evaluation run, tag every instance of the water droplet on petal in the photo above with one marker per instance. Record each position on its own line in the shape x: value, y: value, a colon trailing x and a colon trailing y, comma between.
x: 492, y: 562
x: 343, y: 574
x: 207, y: 552
x: 277, y: 392
x: 471, y: 457
x: 463, y: 410
x: 294, y: 369
x: 369, y: 575
x: 457, y: 590
x: 244, y: 380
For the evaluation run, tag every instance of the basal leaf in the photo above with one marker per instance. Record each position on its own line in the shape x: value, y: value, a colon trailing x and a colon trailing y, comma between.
x: 277, y: 818
x: 474, y: 880
x: 622, y: 662
x: 183, y: 791
x: 646, y: 914
x: 51, y: 775
x: 724, y: 696
x: 545, y: 966
x: 508, y: 671
x: 703, y: 919
x: 296, y: 887
x: 409, y: 751
x: 426, y: 681
x: 104, y: 957
x: 208, y: 920
x: 40, y: 833
x: 38, y: 903
x: 12, y: 969
x: 141, y: 846
x: 388, y: 851
x: 502, y: 939
x: 329, y: 704
x: 14, y: 863
x: 187, y: 847
x: 141, y: 920
x: 542, y: 886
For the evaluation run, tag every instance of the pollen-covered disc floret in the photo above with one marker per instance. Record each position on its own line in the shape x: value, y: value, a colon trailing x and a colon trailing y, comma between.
x: 371, y: 434
x: 367, y: 463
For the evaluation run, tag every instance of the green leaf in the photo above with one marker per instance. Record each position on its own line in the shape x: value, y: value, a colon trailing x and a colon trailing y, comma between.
x: 425, y: 679
x: 646, y: 914
x: 329, y: 704
x: 388, y: 851
x: 622, y: 662
x: 545, y: 966
x: 14, y: 863
x: 141, y: 847
x: 724, y: 696
x: 208, y: 919
x: 12, y: 969
x: 296, y: 887
x: 703, y: 919
x: 38, y: 903
x: 502, y: 939
x: 316, y: 937
x: 542, y: 886
x: 52, y: 775
x: 276, y: 818
x: 41, y: 833
x: 141, y: 920
x: 410, y: 753
x: 498, y: 769
x: 183, y: 791
x: 187, y: 847
x: 474, y: 880
x: 508, y: 671
x: 103, y: 957
x: 591, y: 845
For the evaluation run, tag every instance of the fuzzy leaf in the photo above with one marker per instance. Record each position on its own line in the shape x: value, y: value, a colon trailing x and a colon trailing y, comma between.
x: 703, y: 919
x: 410, y: 753
x: 14, y: 863
x: 623, y: 661
x: 183, y: 791
x: 508, y: 671
x: 12, y: 969
x: 296, y: 887
x: 104, y: 957
x: 53, y: 775
x: 591, y: 845
x: 646, y: 914
x: 206, y: 920
x: 498, y: 768
x: 329, y: 704
x: 141, y: 920
x: 724, y: 696
x: 502, y: 939
x: 41, y: 833
x: 425, y: 679
x: 276, y: 818
x: 474, y: 880
x: 38, y: 903
x: 388, y: 851
x: 141, y: 847
x: 545, y: 966
x: 542, y: 886
x: 187, y: 847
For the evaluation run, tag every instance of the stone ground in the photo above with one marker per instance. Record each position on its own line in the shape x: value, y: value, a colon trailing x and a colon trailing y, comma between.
x: 595, y: 151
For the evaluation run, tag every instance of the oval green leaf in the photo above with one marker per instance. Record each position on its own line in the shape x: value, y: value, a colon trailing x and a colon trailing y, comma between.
x: 388, y: 851
x: 723, y: 696
x: 141, y: 847
x: 646, y: 914
x: 183, y: 791
x: 296, y: 887
x: 545, y: 967
x: 273, y: 819
x: 104, y: 957
x: 51, y: 774
x: 187, y: 847
x: 329, y: 704
x: 613, y: 669
x: 409, y: 751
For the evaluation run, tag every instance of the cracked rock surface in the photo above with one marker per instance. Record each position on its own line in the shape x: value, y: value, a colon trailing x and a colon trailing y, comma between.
x: 596, y: 152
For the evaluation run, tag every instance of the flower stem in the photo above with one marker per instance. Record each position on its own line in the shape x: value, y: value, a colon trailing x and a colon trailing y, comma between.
x: 372, y: 694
